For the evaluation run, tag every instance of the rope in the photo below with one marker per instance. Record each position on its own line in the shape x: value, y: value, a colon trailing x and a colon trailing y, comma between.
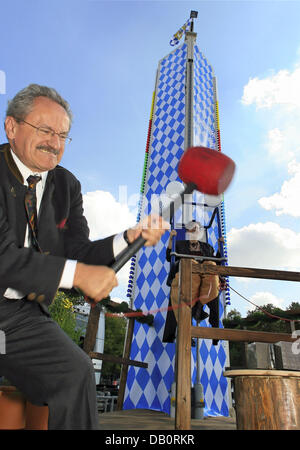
x: 263, y: 310
x: 170, y: 308
x: 153, y: 311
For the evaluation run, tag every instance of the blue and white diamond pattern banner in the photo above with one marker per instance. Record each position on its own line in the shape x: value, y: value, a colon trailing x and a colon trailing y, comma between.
x: 213, y: 357
x: 150, y: 388
x: 204, y: 104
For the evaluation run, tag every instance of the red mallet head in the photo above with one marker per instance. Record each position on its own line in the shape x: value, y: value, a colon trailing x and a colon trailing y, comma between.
x: 211, y: 171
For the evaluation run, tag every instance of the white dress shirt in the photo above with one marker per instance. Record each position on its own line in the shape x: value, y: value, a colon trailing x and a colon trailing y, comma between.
x: 67, y: 278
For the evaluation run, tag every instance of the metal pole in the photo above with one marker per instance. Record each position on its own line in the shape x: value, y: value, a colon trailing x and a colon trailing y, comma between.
x: 198, y: 389
x: 189, y: 140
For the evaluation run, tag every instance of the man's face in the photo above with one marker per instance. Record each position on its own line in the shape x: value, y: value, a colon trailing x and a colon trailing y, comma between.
x: 194, y: 232
x: 39, y: 153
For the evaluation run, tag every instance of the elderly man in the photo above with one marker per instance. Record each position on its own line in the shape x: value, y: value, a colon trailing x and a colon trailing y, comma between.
x: 44, y: 246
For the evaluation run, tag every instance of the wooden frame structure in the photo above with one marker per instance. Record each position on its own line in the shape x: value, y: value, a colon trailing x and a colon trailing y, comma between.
x: 186, y: 331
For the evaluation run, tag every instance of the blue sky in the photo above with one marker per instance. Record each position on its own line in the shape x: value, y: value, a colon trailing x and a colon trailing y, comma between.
x: 102, y: 57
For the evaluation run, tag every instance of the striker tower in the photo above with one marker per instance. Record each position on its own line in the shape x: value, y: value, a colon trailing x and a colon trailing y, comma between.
x: 184, y: 113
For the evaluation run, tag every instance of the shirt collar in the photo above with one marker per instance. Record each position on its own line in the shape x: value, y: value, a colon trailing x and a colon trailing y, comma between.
x: 25, y: 171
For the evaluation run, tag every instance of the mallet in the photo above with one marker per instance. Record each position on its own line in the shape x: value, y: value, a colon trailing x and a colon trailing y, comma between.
x: 201, y: 168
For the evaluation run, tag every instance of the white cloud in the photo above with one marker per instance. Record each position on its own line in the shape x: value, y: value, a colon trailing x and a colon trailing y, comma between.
x: 280, y: 95
x: 264, y: 245
x: 281, y: 144
x: 287, y: 200
x: 281, y: 88
x: 105, y: 217
x: 263, y: 298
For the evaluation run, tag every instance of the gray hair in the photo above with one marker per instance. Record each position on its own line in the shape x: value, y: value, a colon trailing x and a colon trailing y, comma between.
x: 22, y: 103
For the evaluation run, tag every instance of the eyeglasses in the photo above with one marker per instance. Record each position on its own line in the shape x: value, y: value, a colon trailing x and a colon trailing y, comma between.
x: 47, y: 132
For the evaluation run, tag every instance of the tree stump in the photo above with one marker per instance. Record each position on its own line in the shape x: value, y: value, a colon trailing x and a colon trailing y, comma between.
x: 266, y: 399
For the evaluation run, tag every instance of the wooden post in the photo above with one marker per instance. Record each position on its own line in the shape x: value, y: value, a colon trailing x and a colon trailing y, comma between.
x: 92, y: 326
x: 89, y: 345
x: 124, y: 369
x: 91, y: 330
x: 183, y: 349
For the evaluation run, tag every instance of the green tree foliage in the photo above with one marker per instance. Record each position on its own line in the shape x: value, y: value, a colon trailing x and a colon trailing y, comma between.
x: 62, y: 311
x: 233, y: 317
x: 294, y: 306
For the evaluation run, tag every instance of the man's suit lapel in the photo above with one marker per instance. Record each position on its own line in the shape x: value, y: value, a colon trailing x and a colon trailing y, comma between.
x: 16, y: 193
x: 49, y: 236
x: 13, y: 169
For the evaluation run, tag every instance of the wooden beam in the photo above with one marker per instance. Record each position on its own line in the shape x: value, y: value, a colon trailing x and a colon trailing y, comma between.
x: 247, y: 272
x: 124, y: 369
x: 228, y: 334
x: 117, y: 359
x: 183, y: 350
x: 116, y: 305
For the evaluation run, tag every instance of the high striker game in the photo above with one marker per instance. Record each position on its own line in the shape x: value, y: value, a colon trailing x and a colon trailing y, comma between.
x: 184, y: 112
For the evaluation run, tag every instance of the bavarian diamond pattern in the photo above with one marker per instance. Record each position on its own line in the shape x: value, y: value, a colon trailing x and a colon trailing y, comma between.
x: 150, y: 388
x: 204, y: 104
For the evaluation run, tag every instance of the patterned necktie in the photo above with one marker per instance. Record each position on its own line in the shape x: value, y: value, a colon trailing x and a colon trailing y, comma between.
x: 30, y: 205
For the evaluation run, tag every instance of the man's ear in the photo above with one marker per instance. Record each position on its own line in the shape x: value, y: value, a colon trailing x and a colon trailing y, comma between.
x: 10, y: 126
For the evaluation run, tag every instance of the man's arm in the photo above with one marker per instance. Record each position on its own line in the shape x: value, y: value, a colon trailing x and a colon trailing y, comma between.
x: 169, y: 247
x: 101, y: 252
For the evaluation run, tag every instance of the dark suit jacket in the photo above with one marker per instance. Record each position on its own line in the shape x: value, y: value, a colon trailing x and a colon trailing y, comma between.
x: 182, y: 247
x: 63, y: 232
